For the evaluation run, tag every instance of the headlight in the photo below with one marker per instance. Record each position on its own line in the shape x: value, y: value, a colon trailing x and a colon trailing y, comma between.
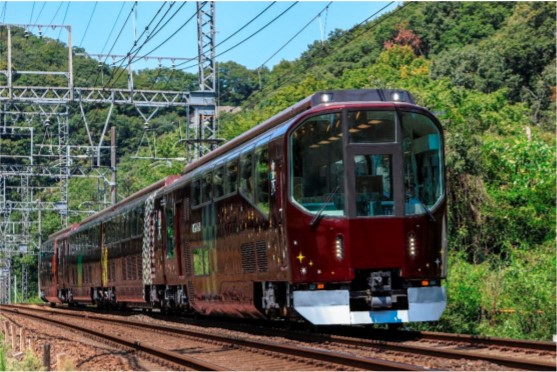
x: 339, y: 247
x: 412, y: 245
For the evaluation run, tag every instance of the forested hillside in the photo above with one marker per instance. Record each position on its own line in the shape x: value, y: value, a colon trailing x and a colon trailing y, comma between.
x: 487, y: 69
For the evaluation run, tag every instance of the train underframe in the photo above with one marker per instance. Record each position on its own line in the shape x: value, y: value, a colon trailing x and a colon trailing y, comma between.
x: 374, y: 296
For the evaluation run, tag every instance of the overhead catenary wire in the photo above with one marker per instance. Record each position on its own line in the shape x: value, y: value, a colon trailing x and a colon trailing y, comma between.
x: 132, y: 51
x: 64, y: 19
x: 4, y: 10
x: 296, y: 35
x: 246, y: 25
x: 121, y: 30
x: 56, y: 13
x: 250, y: 36
x: 32, y: 11
x: 173, y: 34
x: 88, y: 24
x: 117, y: 38
x: 40, y: 12
x: 113, y: 26
x: 159, y: 29
x: 343, y: 44
x: 155, y: 31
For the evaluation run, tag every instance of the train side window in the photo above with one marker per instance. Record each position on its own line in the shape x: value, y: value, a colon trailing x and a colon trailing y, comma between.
x: 231, y: 177
x: 169, y: 230
x: 246, y: 175
x: 206, y: 187
x: 218, y: 181
x: 196, y: 192
x: 262, y: 179
x: 201, y: 261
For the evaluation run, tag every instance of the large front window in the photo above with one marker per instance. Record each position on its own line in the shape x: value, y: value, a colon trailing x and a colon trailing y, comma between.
x: 393, y: 161
x: 317, y: 168
x: 421, y: 145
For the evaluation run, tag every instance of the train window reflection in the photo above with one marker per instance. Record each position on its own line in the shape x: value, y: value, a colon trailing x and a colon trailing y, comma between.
x: 218, y: 182
x: 169, y: 232
x: 206, y: 186
x: 196, y: 192
x: 262, y: 179
x: 371, y: 126
x: 246, y: 175
x: 421, y: 145
x: 231, y: 177
x: 317, y: 168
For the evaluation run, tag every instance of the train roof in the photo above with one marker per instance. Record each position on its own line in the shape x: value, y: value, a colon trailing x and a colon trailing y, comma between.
x: 322, y: 98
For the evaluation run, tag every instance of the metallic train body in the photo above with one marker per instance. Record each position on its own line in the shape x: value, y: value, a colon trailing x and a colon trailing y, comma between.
x: 333, y: 210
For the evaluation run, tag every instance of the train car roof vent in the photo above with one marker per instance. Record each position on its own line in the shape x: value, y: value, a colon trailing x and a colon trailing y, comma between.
x: 362, y: 95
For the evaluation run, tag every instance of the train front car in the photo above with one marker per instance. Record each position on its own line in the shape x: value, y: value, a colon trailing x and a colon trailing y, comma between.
x: 366, y: 211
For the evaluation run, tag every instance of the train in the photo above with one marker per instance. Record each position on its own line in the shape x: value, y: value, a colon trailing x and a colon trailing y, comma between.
x: 331, y: 212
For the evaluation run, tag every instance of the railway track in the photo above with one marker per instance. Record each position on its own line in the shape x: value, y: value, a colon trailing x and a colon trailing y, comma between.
x: 498, y: 353
x: 290, y: 356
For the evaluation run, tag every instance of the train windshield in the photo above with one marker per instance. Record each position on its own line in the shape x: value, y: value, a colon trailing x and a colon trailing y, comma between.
x: 317, y: 167
x: 393, y: 164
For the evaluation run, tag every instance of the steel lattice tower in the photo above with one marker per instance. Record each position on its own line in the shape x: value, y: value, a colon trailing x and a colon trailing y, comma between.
x: 39, y: 117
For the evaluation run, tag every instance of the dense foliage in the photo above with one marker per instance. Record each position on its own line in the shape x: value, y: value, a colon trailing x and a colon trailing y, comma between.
x: 486, y: 68
x: 474, y: 64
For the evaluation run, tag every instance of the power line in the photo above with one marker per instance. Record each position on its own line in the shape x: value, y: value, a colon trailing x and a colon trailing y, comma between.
x: 121, y: 29
x: 55, y: 14
x: 40, y: 12
x: 116, y: 40
x: 258, y: 31
x: 136, y: 51
x: 250, y: 36
x: 152, y: 20
x: 344, y: 44
x: 298, y: 33
x: 173, y: 34
x: 247, y: 24
x: 88, y: 23
x: 114, y: 25
x: 132, y: 51
x: 4, y: 11
x: 64, y: 19
x: 32, y: 11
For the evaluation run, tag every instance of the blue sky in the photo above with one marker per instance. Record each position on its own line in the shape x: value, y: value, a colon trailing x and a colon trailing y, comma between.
x: 95, y: 26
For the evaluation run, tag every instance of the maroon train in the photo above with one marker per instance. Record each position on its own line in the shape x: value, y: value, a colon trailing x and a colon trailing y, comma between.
x: 334, y: 210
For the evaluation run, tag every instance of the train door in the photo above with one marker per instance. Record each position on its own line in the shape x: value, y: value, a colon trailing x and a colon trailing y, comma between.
x: 375, y: 189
